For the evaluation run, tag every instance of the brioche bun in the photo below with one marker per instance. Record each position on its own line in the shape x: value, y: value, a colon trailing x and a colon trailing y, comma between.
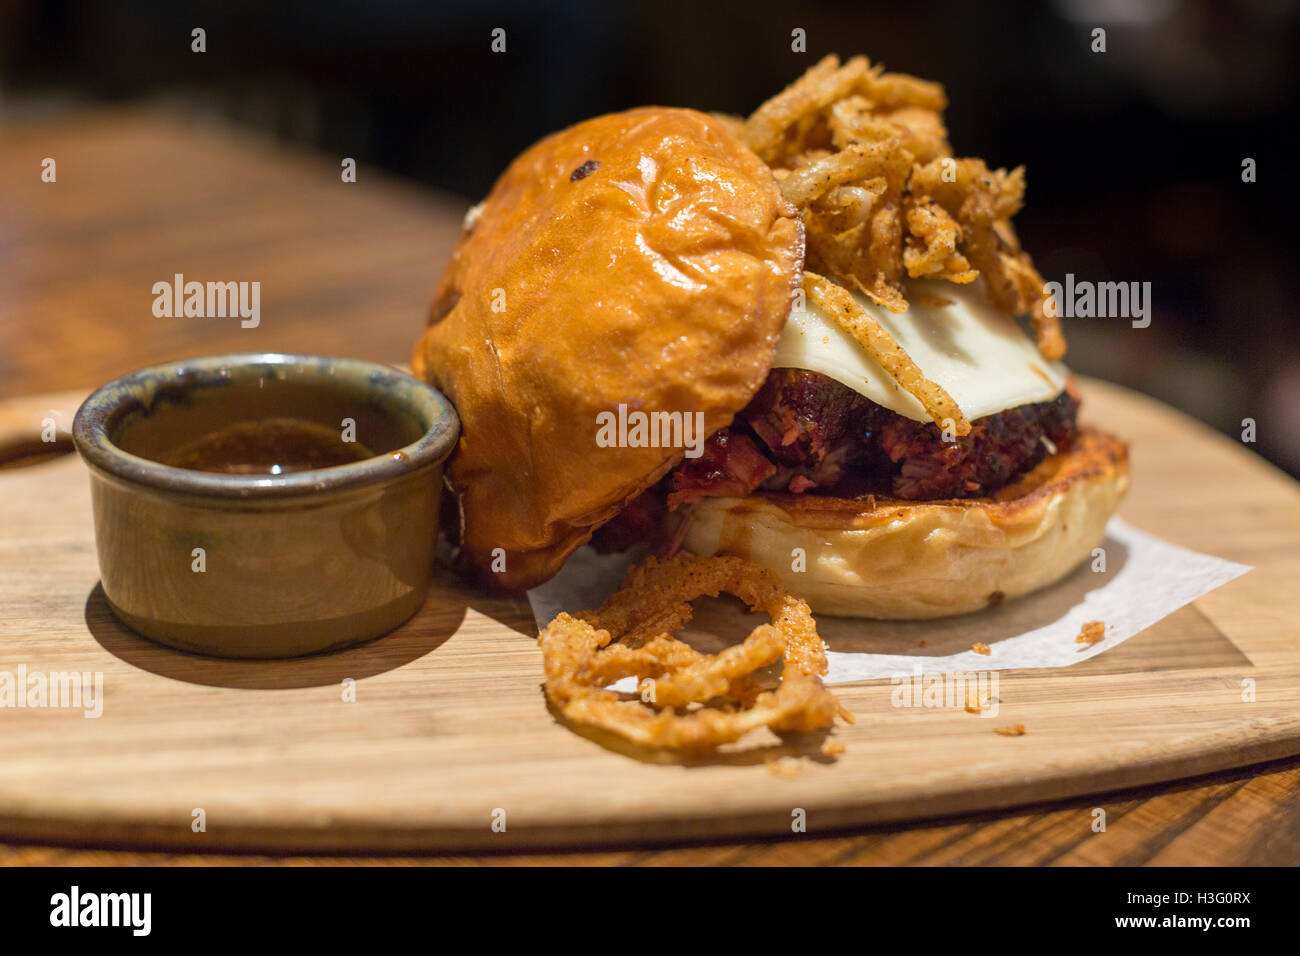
x: 924, y: 559
x: 644, y: 258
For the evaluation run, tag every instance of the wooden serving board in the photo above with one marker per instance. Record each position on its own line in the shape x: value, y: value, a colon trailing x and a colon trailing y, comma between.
x: 449, y: 726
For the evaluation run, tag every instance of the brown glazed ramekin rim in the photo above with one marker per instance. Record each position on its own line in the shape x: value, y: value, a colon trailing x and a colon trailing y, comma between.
x: 391, y: 389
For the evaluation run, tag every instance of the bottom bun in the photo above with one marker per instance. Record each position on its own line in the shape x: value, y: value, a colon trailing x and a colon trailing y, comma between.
x: 888, y: 558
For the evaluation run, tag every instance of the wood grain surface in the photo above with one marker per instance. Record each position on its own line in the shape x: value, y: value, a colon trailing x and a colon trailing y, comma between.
x: 348, y: 269
x: 449, y: 729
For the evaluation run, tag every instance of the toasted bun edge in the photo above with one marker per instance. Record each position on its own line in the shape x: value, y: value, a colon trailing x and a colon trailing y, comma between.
x: 912, y: 560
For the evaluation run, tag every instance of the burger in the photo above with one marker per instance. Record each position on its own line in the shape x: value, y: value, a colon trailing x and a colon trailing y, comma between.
x: 809, y: 338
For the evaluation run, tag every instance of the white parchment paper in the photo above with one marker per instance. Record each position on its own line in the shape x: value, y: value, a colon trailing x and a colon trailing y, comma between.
x: 1145, y: 579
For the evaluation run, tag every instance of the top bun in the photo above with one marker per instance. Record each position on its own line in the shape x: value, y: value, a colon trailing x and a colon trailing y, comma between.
x: 644, y: 259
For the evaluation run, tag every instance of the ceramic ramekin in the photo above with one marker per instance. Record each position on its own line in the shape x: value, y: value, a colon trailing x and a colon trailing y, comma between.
x: 240, y: 565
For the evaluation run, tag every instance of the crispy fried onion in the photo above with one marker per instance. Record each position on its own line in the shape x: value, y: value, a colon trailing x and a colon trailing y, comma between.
x: 838, y: 303
x: 865, y: 156
x: 699, y: 701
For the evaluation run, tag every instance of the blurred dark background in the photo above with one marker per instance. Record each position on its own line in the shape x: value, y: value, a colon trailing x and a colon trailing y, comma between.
x: 1134, y: 155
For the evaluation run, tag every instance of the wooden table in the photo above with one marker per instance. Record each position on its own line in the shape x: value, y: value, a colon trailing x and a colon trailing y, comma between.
x: 348, y: 269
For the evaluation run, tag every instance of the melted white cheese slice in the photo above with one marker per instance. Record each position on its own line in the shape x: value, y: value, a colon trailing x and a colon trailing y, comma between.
x: 977, y: 353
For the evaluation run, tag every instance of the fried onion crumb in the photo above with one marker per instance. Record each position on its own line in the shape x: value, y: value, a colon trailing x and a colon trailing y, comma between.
x: 1091, y: 633
x: 787, y: 767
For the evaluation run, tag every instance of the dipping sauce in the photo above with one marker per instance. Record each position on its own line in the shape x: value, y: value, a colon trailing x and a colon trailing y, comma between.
x: 270, y: 446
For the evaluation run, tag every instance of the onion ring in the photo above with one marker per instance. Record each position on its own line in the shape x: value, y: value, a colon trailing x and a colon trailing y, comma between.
x: 865, y: 157
x: 837, y: 302
x: 699, y: 701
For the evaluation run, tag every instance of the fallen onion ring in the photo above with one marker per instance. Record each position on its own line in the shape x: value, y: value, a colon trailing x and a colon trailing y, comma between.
x: 630, y: 636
